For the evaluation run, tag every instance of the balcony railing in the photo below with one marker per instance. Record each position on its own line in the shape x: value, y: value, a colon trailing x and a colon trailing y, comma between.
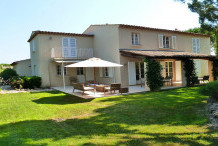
x: 80, y: 53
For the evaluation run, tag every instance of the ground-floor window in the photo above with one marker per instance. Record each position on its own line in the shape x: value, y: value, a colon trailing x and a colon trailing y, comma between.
x: 168, y: 69
x: 80, y: 71
x: 140, y: 70
x: 59, y: 70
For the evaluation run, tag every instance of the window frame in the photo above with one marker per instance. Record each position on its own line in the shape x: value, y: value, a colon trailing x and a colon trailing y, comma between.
x: 59, y: 70
x: 134, y: 40
x: 80, y: 71
x: 164, y: 42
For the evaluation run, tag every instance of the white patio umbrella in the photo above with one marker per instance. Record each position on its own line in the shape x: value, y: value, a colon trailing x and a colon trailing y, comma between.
x: 94, y: 62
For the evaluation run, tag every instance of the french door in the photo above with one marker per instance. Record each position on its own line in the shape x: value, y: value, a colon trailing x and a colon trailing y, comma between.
x: 168, y: 68
x: 140, y: 71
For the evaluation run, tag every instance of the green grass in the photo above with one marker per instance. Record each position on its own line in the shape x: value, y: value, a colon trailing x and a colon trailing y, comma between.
x: 53, y: 118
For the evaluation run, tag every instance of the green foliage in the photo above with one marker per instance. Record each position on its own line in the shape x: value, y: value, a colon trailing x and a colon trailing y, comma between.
x: 208, y: 18
x: 17, y: 82
x: 26, y: 82
x: 215, y: 69
x: 8, y: 73
x: 32, y: 82
x: 190, y: 74
x: 209, y: 89
x: 153, y: 74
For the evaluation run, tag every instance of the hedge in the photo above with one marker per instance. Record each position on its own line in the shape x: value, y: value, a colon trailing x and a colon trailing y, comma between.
x: 209, y: 89
x: 26, y: 82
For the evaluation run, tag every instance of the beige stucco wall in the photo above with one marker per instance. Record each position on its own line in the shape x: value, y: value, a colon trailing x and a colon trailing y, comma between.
x: 106, y: 46
x: 23, y: 68
x: 149, y: 41
x: 45, y: 64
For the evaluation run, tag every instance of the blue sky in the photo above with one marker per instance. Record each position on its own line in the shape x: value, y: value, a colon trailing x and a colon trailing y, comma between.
x: 20, y: 17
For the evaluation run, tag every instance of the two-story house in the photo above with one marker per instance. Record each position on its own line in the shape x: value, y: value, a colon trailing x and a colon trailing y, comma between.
x: 123, y: 44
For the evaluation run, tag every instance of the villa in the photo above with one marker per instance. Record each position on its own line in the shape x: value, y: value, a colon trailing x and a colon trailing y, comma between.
x: 123, y: 44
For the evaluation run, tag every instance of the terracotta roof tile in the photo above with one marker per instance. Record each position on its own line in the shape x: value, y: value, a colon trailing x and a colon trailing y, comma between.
x: 34, y: 33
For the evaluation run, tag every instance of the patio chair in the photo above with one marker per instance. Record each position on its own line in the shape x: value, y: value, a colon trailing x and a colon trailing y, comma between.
x: 81, y: 87
x: 101, y: 88
x: 114, y: 87
x: 205, y: 78
x: 168, y: 80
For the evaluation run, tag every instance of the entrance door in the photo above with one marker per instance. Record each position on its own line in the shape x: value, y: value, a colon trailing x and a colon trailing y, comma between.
x: 168, y: 69
x: 140, y: 72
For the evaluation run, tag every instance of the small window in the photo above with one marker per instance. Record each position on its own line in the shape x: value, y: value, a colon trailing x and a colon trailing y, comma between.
x: 106, y: 72
x: 59, y: 71
x: 33, y: 45
x: 80, y: 71
x: 166, y: 42
x: 135, y: 39
x: 196, y: 45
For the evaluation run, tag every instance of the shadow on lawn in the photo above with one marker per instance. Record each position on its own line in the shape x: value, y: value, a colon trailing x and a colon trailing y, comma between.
x: 60, y: 98
x: 172, y: 109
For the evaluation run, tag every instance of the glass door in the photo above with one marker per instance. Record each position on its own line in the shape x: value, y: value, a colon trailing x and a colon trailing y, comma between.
x: 140, y: 71
x: 168, y: 69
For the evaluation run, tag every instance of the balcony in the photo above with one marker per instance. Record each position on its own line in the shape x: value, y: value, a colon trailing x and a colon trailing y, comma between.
x: 80, y: 53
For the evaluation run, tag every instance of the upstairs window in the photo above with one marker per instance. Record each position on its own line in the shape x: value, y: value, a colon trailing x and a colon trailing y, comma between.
x: 33, y: 46
x: 166, y: 42
x: 69, y: 48
x: 80, y: 71
x: 135, y: 39
x: 196, y: 45
x: 59, y: 70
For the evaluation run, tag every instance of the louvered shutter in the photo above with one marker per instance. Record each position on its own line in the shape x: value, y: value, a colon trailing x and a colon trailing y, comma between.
x: 110, y: 71
x: 197, y: 45
x: 33, y: 45
x: 73, y: 50
x: 173, y: 42
x: 160, y: 36
x: 194, y: 45
x: 100, y: 71
x: 65, y: 49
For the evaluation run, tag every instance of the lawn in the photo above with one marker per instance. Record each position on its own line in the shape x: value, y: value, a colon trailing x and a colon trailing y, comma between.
x: 54, y: 118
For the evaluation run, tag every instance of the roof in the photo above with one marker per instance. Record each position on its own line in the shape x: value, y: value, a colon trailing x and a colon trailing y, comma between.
x: 34, y: 33
x: 153, y: 29
x: 159, y: 54
x: 15, y: 62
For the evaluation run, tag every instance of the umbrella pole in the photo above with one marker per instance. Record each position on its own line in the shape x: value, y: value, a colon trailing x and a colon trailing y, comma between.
x: 94, y: 75
x: 63, y: 74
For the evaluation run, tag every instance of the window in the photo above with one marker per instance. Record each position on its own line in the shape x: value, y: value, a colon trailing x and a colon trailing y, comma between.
x: 166, y: 42
x: 69, y: 48
x: 196, y: 45
x: 140, y: 70
x: 80, y: 71
x: 106, y: 72
x: 59, y: 70
x: 33, y: 45
x: 168, y: 69
x: 135, y: 39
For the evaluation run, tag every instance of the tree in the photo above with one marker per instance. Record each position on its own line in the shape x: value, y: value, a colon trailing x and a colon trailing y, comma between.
x: 208, y: 18
x: 8, y: 73
x: 190, y: 74
x: 153, y: 74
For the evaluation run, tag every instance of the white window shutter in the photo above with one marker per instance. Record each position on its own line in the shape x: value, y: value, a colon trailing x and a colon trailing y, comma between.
x: 160, y: 36
x: 174, y: 42
x: 198, y: 45
x: 100, y: 71
x: 194, y: 45
x: 110, y: 71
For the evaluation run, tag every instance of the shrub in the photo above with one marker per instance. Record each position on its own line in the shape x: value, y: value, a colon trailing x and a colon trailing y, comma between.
x: 190, y: 74
x: 8, y: 73
x: 17, y: 82
x: 32, y: 82
x: 26, y: 82
x: 153, y: 74
x: 209, y: 89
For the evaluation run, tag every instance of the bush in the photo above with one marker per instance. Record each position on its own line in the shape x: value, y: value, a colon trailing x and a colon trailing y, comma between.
x: 153, y: 74
x: 17, y: 82
x: 190, y: 74
x: 26, y: 82
x: 32, y: 82
x: 8, y: 73
x: 209, y: 89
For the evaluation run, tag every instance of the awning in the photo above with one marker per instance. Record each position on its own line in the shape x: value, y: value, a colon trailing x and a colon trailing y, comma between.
x: 159, y: 54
